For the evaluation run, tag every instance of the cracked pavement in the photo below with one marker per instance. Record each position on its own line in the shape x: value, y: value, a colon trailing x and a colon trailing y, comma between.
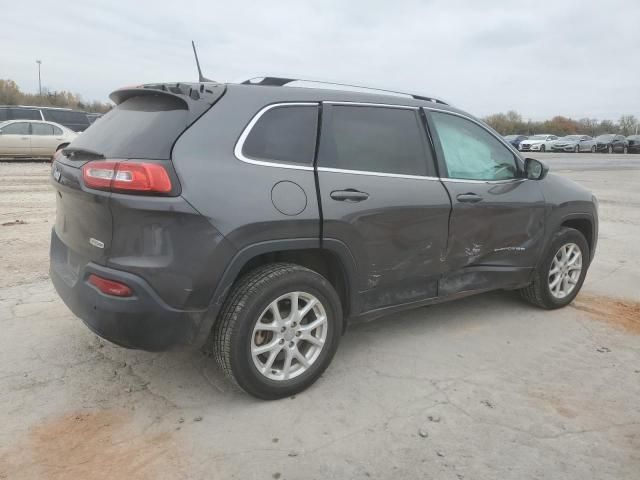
x: 482, y: 388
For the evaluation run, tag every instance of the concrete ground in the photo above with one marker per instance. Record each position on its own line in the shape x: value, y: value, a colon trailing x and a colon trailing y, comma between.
x: 483, y: 388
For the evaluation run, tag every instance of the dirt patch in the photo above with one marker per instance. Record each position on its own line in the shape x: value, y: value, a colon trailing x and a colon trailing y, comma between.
x: 558, y: 404
x: 621, y: 314
x: 97, y: 445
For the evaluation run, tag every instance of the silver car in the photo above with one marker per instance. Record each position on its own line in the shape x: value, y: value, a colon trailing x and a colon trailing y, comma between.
x: 574, y: 143
x: 25, y: 139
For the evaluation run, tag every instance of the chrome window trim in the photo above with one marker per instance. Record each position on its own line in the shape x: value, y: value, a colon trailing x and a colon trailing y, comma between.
x: 370, y: 104
x: 375, y: 174
x: 237, y: 151
x: 510, y: 147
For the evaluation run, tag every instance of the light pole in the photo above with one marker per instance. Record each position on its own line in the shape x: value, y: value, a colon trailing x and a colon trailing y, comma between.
x: 39, y: 62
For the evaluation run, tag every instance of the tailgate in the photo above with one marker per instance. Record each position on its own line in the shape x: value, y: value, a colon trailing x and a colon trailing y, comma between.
x: 83, y: 218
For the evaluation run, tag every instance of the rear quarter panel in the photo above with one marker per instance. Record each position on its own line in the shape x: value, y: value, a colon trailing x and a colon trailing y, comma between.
x: 233, y: 195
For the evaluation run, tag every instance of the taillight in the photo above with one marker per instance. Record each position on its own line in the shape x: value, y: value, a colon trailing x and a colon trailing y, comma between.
x: 110, y: 287
x: 129, y: 177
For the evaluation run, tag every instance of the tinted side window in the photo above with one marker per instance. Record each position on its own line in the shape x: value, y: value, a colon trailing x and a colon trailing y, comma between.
x: 18, y: 113
x: 284, y: 134
x: 471, y: 152
x: 18, y: 128
x: 374, y: 139
x: 41, y: 129
x: 69, y: 118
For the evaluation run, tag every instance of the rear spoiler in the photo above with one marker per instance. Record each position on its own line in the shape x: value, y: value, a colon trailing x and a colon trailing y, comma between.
x: 195, y: 97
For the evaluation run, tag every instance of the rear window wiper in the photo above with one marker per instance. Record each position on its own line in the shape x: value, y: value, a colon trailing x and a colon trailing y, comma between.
x: 80, y: 152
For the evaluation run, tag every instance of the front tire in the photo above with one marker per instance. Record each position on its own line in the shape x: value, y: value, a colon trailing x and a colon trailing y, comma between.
x: 542, y: 148
x: 593, y: 149
x: 576, y: 149
x: 278, y: 330
x: 561, y: 272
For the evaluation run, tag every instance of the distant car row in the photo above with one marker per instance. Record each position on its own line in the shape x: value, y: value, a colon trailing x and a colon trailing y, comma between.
x: 75, y: 120
x: 609, y: 143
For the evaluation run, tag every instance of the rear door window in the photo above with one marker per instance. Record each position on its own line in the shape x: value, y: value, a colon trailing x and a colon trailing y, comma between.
x: 374, y: 139
x: 41, y: 129
x: 286, y: 133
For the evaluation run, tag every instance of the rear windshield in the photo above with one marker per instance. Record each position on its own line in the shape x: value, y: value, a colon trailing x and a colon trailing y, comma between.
x: 140, y: 127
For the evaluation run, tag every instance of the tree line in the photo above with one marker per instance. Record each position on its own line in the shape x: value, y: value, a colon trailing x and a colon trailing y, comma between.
x: 512, y: 123
x: 10, y: 94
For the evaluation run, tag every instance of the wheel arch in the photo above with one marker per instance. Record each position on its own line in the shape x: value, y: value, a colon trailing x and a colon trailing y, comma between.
x: 330, y: 258
x: 584, y: 223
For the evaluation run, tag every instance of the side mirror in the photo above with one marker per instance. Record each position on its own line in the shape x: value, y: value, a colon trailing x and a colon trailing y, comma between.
x: 535, y: 169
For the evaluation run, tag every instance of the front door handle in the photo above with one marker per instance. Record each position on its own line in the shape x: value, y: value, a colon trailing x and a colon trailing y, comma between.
x: 349, y: 195
x: 469, y: 197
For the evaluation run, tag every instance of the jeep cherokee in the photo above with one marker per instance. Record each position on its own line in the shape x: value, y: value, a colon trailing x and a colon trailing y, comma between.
x: 260, y: 218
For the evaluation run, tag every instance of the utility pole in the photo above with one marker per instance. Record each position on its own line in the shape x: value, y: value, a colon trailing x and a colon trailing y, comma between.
x: 39, y: 62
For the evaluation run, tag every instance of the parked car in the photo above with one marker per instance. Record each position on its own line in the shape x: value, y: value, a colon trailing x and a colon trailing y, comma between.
x: 32, y: 139
x: 75, y: 120
x: 239, y: 217
x: 574, y: 143
x: 537, y: 143
x: 611, y: 143
x: 515, y: 140
x: 633, y: 142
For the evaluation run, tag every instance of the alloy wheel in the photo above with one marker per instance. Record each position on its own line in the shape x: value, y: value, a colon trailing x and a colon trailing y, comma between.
x: 565, y: 270
x: 289, y: 336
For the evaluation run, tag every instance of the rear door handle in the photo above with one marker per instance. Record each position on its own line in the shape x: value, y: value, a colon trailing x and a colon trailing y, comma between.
x: 349, y: 195
x: 469, y: 198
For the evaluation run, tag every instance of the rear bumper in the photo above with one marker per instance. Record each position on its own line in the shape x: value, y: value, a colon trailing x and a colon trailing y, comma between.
x: 142, y: 321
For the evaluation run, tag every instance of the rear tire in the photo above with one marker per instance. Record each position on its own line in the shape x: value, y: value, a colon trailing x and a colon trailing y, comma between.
x: 258, y: 315
x: 542, y: 290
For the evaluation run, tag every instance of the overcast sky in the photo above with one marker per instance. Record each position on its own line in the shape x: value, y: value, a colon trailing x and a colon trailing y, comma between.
x: 541, y: 58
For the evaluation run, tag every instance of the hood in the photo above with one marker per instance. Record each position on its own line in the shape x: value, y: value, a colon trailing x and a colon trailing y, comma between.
x: 566, y: 142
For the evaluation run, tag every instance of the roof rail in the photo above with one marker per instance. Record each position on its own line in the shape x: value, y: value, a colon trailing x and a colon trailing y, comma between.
x: 281, y: 82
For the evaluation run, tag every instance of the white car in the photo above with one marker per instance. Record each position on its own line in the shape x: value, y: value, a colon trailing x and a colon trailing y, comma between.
x: 26, y: 139
x: 537, y: 143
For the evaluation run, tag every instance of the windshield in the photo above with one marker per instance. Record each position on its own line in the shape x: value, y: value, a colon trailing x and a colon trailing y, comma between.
x: 511, y: 137
x: 538, y: 137
x: 605, y: 138
x: 571, y: 137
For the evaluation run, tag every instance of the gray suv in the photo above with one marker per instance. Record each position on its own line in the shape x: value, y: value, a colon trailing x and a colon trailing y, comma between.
x: 260, y: 219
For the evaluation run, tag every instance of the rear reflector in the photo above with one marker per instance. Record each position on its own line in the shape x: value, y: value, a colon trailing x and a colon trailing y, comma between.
x: 129, y: 177
x: 110, y: 287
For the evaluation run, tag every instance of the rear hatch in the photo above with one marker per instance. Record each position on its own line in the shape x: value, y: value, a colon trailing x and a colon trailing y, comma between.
x: 136, y: 137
